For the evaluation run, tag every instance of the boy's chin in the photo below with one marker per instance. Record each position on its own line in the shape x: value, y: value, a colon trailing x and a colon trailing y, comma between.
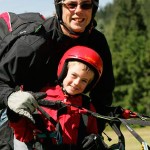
x: 70, y: 92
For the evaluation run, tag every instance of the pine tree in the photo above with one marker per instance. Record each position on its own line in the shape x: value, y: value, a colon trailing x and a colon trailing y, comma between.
x: 129, y: 57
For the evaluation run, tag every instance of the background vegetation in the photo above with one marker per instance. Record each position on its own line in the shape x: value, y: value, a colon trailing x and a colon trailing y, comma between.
x: 126, y: 25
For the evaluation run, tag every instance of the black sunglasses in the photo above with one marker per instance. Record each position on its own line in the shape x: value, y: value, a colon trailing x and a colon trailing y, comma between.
x: 73, y: 5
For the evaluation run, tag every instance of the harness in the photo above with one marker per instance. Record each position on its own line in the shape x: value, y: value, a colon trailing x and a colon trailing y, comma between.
x: 114, y: 120
x: 61, y: 109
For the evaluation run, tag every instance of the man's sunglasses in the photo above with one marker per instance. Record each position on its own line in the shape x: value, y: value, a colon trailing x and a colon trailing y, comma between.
x: 73, y: 5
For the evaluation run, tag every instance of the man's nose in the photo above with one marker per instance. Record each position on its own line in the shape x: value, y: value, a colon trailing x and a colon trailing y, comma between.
x: 78, y: 9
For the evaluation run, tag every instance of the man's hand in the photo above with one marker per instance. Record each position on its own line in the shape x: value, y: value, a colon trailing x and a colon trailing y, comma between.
x: 24, y: 103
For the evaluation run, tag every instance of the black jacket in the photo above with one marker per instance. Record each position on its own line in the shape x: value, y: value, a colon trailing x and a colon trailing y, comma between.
x: 32, y: 62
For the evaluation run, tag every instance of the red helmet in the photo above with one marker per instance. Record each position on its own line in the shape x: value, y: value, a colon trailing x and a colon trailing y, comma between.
x: 85, y: 55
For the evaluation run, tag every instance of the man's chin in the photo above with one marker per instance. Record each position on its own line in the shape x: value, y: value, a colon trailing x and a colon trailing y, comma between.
x: 77, y: 29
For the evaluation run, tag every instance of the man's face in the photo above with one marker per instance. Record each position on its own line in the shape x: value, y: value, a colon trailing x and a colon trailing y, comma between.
x: 77, y: 14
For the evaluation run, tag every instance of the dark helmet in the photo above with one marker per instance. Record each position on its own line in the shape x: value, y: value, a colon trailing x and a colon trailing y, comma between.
x: 83, y: 54
x: 58, y: 8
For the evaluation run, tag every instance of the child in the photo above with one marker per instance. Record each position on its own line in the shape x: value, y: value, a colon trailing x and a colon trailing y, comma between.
x: 78, y: 72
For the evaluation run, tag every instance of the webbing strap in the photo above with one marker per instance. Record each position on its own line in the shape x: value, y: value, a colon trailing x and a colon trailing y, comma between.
x: 136, y: 135
x: 132, y: 131
x: 56, y: 124
x: 137, y: 122
x: 47, y: 115
x: 62, y: 110
x: 43, y: 135
x: 97, y: 115
x: 116, y: 128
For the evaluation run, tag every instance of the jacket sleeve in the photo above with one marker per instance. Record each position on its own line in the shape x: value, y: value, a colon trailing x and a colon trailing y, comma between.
x: 14, y: 66
x: 23, y: 129
x: 101, y: 94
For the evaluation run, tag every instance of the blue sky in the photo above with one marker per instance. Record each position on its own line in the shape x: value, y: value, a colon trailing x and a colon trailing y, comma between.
x: 45, y: 7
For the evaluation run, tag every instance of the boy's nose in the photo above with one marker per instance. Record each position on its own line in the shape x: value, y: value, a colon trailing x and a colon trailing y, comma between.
x: 76, y: 81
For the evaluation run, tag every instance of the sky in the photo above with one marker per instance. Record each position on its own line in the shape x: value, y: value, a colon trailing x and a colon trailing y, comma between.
x: 45, y: 7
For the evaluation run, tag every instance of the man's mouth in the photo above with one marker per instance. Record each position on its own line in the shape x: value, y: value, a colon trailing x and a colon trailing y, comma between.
x: 78, y: 20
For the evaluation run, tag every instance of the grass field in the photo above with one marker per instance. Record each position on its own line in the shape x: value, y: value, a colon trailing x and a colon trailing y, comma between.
x: 131, y: 141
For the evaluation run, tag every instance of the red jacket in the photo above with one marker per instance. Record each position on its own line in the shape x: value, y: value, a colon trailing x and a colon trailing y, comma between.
x: 69, y: 122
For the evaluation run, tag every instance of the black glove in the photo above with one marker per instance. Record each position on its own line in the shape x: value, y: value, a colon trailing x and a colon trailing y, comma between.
x: 38, y: 95
x: 51, y: 104
x: 12, y: 116
x: 94, y: 142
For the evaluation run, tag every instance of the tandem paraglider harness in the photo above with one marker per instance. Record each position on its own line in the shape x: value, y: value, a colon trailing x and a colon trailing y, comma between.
x: 116, y: 117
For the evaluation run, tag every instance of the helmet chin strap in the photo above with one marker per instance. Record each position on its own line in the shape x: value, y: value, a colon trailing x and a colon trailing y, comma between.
x: 69, y: 30
x: 77, y: 34
x: 65, y: 92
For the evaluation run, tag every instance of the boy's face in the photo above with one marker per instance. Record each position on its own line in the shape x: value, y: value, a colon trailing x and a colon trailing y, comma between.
x: 75, y: 15
x: 77, y: 79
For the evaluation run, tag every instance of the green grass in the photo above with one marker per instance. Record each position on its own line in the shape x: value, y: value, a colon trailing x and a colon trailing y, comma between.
x: 131, y: 141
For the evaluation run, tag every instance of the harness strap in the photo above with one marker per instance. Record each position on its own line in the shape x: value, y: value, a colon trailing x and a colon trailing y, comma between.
x: 58, y: 133
x: 137, y: 121
x: 143, y: 143
x: 132, y: 131
x: 62, y: 109
x: 83, y: 120
x: 116, y: 128
x: 126, y: 122
x: 47, y: 115
x: 51, y: 135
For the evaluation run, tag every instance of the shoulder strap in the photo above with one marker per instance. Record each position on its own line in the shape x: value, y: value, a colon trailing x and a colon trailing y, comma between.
x: 85, y: 104
x: 57, y: 134
x: 84, y: 118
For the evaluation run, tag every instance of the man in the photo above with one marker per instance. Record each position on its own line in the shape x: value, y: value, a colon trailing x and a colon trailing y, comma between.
x: 32, y: 60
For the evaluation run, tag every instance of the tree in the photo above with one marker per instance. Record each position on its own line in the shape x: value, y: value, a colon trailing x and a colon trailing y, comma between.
x: 131, y: 65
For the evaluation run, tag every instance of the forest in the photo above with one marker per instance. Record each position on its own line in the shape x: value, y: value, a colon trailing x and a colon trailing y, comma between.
x: 126, y: 25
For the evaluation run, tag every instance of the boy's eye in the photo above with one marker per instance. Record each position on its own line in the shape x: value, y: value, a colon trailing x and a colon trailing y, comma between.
x: 73, y: 75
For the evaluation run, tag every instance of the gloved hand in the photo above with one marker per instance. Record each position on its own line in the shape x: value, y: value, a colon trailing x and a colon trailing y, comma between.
x: 24, y: 103
x: 94, y: 142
